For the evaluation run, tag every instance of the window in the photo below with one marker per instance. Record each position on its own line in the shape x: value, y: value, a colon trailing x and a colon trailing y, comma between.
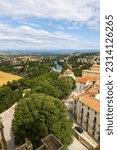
x: 87, y: 114
x: 82, y: 116
x: 81, y: 122
x: 94, y: 126
x: 82, y: 104
x: 95, y: 119
x: 95, y: 113
x: 74, y: 107
x: 82, y: 110
x: 93, y: 133
x: 88, y: 108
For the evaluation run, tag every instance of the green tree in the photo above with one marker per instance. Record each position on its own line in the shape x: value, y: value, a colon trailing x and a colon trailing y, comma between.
x: 66, y: 85
x: 8, y: 97
x: 4, y: 92
x: 39, y: 115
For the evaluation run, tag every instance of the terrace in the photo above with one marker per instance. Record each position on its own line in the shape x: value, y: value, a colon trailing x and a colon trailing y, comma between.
x: 51, y: 143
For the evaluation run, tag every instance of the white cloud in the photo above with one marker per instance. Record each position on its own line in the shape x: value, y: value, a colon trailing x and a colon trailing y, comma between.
x: 30, y: 38
x: 74, y: 14
x: 70, y: 10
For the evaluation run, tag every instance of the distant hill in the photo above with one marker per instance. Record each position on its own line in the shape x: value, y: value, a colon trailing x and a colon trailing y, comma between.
x: 48, y: 52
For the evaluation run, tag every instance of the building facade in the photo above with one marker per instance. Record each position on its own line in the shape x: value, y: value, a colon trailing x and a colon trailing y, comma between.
x: 93, y: 72
x: 87, y: 111
x: 95, y: 67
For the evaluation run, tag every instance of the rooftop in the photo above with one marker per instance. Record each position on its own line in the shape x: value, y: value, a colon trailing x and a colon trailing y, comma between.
x: 85, y: 79
x: 97, y: 82
x: 95, y: 65
x: 93, y: 90
x: 50, y: 142
x: 89, y: 101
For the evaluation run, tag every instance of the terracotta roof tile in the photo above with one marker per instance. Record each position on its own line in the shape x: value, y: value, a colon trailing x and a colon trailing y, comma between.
x: 93, y: 90
x: 85, y: 79
x: 90, y: 102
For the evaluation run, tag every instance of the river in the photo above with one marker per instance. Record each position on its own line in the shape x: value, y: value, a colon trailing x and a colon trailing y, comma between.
x: 58, y: 66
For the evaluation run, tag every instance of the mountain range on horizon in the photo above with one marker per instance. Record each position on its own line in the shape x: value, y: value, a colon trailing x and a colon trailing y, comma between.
x: 62, y: 51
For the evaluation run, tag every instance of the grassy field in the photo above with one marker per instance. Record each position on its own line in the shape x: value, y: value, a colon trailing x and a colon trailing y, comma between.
x: 5, y: 77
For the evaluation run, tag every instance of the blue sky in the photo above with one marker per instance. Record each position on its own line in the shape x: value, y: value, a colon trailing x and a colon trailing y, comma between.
x: 49, y: 24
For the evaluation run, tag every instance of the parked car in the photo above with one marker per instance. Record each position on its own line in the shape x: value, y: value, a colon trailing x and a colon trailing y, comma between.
x: 79, y: 129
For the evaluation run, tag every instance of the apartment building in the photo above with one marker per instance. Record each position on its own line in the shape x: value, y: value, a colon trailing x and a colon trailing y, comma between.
x: 95, y: 67
x: 93, y: 72
x: 87, y: 111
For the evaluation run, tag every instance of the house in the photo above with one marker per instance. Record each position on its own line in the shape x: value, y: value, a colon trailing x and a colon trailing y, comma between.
x: 84, y: 83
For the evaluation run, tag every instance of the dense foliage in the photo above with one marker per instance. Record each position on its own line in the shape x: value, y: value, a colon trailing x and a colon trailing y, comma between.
x: 78, y: 70
x: 48, y: 83
x: 27, y: 69
x: 8, y: 97
x: 37, y: 116
x: 7, y: 67
x: 77, y: 65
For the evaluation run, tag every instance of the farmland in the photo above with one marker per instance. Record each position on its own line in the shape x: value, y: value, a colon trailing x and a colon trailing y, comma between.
x: 5, y: 77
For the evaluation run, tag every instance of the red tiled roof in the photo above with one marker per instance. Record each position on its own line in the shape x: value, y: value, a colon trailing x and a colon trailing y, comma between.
x: 89, y: 101
x: 85, y: 79
x: 93, y: 91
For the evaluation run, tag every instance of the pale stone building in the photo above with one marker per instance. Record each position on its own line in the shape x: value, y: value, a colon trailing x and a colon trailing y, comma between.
x: 95, y: 67
x: 87, y: 111
x: 90, y: 73
x: 93, y: 72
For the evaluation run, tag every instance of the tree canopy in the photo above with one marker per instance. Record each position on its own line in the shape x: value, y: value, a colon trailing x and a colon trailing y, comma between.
x: 48, y: 83
x: 39, y: 115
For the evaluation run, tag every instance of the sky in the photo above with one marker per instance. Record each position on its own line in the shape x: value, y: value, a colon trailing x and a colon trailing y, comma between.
x: 49, y: 24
